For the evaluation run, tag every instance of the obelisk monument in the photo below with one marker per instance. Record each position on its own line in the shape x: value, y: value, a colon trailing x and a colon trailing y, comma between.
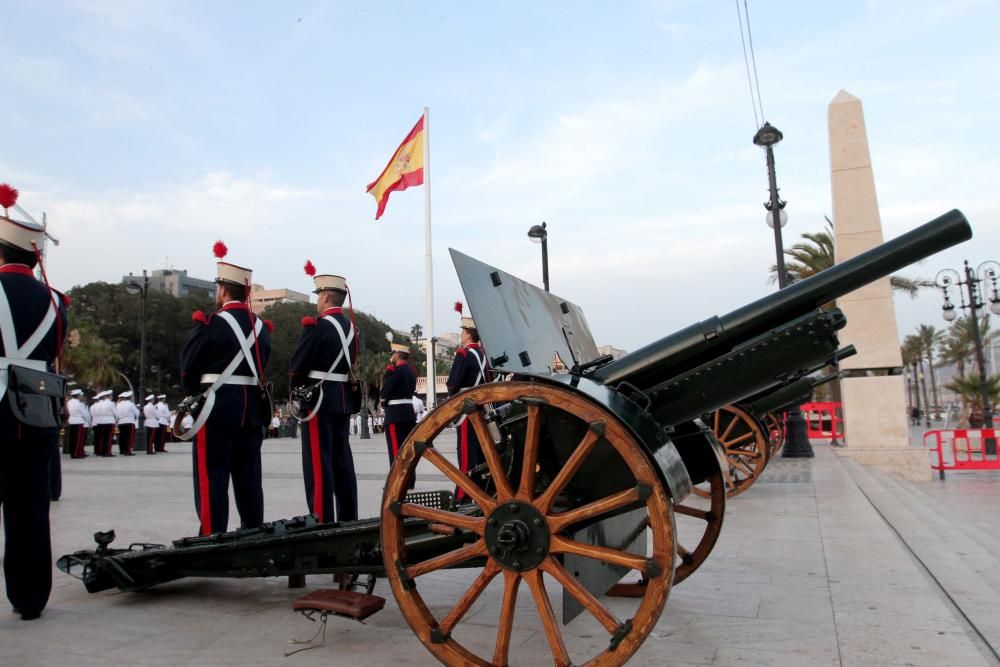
x: 872, y: 388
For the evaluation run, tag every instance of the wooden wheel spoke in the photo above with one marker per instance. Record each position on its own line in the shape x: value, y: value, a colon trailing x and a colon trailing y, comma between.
x: 470, y: 596
x: 544, y: 502
x: 475, y: 524
x: 559, y: 522
x: 681, y: 551
x: 477, y: 548
x: 460, y: 479
x: 739, y: 465
x: 691, y: 511
x: 552, y: 567
x: 563, y: 545
x: 746, y: 436
x: 511, y: 581
x: 729, y: 428
x: 504, y: 490
x: 532, y: 434
x: 552, y: 633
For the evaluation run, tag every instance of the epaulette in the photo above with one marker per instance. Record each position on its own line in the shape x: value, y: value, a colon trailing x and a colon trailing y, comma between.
x: 270, y: 326
x: 198, y: 316
x: 308, y: 321
x: 390, y: 368
x: 461, y: 351
x: 66, y: 299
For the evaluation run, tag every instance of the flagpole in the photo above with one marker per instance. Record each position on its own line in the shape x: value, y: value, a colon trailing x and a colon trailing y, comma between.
x: 429, y: 334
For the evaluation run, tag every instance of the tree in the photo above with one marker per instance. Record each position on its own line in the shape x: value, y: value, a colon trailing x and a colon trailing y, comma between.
x: 930, y: 337
x: 959, y: 346
x: 970, y: 389
x: 90, y: 360
x: 912, y: 352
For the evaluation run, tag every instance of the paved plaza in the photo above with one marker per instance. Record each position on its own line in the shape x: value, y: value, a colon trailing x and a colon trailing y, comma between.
x: 822, y: 562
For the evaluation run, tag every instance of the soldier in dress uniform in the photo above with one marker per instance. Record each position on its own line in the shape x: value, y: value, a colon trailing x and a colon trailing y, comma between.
x: 163, y: 416
x: 104, y: 423
x: 76, y: 420
x: 397, y: 400
x: 325, y: 353
x: 128, y: 417
x: 152, y: 424
x: 469, y: 369
x: 224, y: 360
x: 32, y: 328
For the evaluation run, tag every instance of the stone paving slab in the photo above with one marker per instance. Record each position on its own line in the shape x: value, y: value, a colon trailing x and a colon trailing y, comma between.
x: 806, y: 572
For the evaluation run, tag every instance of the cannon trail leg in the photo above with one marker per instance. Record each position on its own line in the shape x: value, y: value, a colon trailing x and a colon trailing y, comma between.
x: 525, y: 528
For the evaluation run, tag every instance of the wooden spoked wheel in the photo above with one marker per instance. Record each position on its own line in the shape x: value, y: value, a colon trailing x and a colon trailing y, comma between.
x: 524, y: 530
x: 698, y: 521
x: 697, y: 513
x: 745, y: 445
x: 775, y: 432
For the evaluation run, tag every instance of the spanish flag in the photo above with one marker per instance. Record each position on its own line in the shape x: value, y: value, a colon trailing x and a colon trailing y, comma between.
x: 405, y: 169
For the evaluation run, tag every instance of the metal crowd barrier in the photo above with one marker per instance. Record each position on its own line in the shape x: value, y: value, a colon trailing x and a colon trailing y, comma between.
x: 961, y: 449
x: 825, y: 420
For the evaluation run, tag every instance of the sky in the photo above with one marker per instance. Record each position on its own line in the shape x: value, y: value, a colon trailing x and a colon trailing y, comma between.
x: 147, y: 130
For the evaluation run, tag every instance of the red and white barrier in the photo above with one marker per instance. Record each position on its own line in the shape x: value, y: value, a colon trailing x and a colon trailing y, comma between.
x: 962, y: 449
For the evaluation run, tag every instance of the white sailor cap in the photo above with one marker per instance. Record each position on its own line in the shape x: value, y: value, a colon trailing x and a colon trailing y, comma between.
x: 399, y: 347
x: 150, y: 397
x: 161, y: 396
x: 125, y: 394
x: 467, y: 323
x: 76, y: 392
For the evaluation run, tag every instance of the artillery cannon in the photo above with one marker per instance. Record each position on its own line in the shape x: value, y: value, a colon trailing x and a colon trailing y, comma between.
x: 585, y: 473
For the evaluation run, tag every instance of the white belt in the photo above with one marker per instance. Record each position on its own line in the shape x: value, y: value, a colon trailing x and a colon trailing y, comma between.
x: 400, y: 401
x: 330, y: 377
x: 210, y: 378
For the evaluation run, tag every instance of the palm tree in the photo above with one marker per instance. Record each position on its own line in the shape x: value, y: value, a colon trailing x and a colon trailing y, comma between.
x: 912, y: 350
x: 960, y: 342
x: 909, y: 353
x: 815, y: 254
x: 92, y: 361
x: 970, y: 389
x: 929, y: 337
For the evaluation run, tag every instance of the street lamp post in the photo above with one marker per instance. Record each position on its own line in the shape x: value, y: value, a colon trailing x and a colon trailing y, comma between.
x: 540, y: 234
x: 945, y: 279
x: 135, y: 288
x: 797, y: 435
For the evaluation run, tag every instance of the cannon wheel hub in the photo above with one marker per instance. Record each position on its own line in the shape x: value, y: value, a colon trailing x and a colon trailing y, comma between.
x: 517, y: 536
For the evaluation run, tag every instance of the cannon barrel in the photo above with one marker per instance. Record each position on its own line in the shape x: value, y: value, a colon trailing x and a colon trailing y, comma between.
x: 703, y: 341
x: 790, y: 394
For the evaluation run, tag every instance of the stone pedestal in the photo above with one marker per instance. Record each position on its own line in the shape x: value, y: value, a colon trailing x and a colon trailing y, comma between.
x: 873, y: 393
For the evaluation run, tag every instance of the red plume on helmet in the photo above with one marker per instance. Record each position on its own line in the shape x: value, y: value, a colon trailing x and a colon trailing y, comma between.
x: 309, y: 268
x: 220, y: 249
x: 458, y: 307
x: 8, y: 195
